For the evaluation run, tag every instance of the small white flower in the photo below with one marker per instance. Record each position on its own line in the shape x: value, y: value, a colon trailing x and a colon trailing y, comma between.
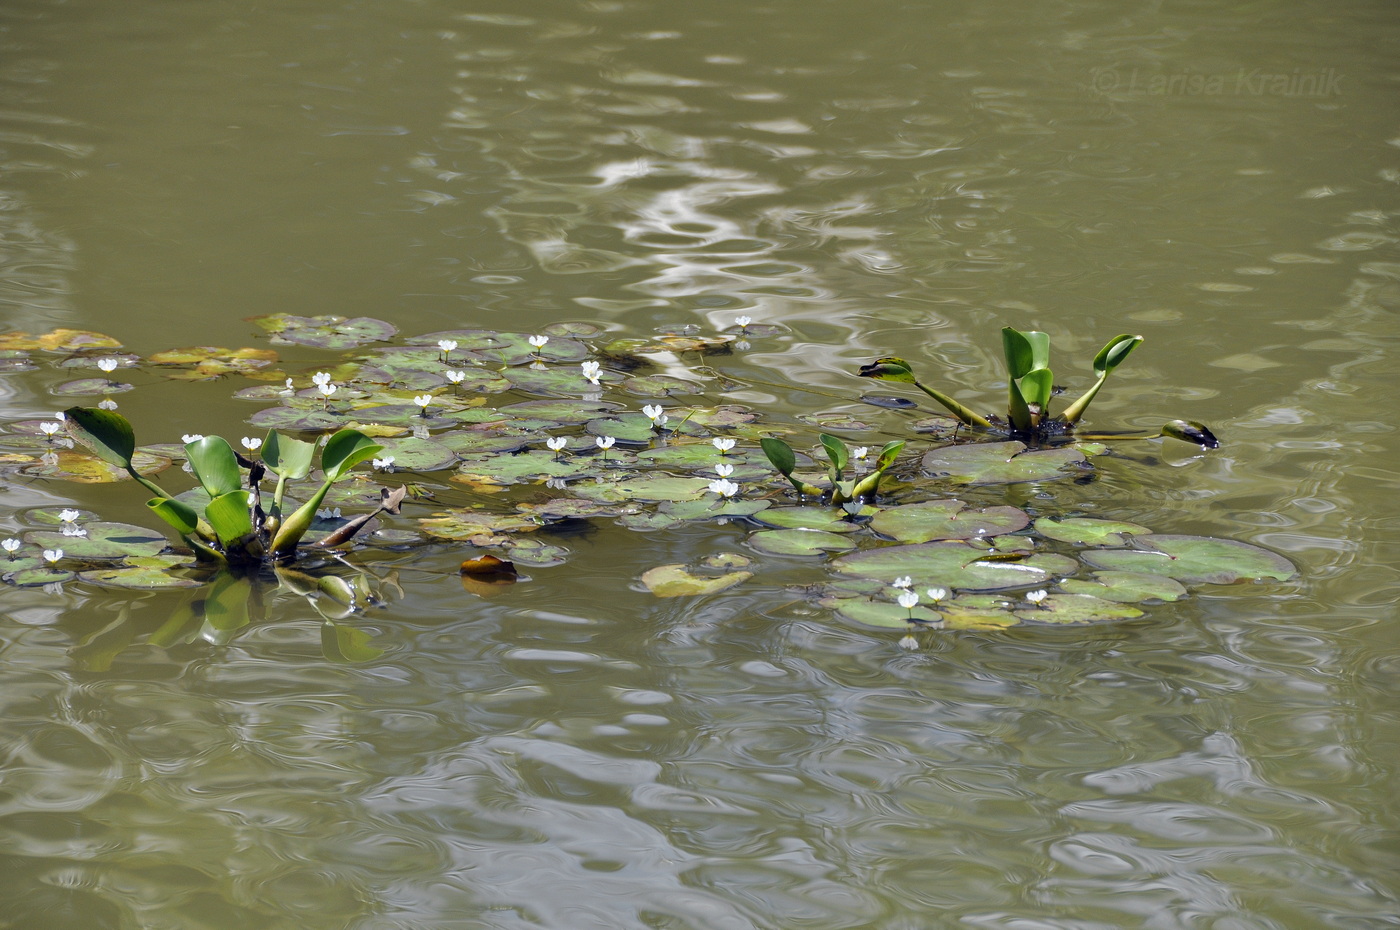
x: 60, y: 416
x: 107, y: 364
x: 724, y: 469
x: 69, y: 529
x: 723, y: 445
x: 1035, y: 597
x: 49, y: 429
x: 538, y: 342
x: 251, y: 444
x: 10, y: 545
x: 456, y: 377
x: 68, y: 515
x: 447, y: 345
x: 556, y: 443
x: 724, y: 487
x: 654, y: 411
x: 592, y: 371
x: 904, y: 581
x: 742, y: 321
x: 326, y: 388
x: 321, y: 377
x: 106, y: 403
x: 605, y: 442
x: 423, y: 400
x: 289, y: 389
x: 908, y: 599
x: 383, y: 464
x: 328, y: 514
x: 909, y: 642
x: 191, y: 437
x: 860, y: 452
x: 53, y: 555
x: 936, y: 594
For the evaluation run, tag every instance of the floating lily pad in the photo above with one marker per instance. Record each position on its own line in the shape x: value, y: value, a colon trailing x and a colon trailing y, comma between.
x: 103, y: 541
x: 469, y: 524
x: 533, y: 551
x: 1195, y: 560
x: 953, y: 565
x: 297, y: 419
x: 71, y: 465
x: 563, y: 508
x: 324, y: 332
x: 711, y: 507
x: 690, y: 454
x: 725, y: 416
x: 660, y: 386
x: 203, y: 362
x: 1126, y: 587
x: 35, y: 577
x: 1001, y: 463
x: 90, y: 387
x: 635, y: 428
x: 1085, y: 531
x: 482, y: 442
x: 645, y: 488
x: 883, y: 614
x: 137, y: 577
x: 676, y: 581
x: 525, y: 466
x: 59, y: 340
x: 946, y: 519
x: 800, y: 542
x: 550, y: 380
x: 1076, y: 608
x: 826, y: 519
x: 563, y: 412
x: 418, y: 454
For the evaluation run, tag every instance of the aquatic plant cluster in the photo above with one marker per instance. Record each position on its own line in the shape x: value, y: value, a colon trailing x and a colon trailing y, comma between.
x: 494, y: 440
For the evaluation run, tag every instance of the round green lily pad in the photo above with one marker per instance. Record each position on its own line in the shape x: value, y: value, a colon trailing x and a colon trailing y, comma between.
x: 710, y: 507
x: 324, y: 332
x: 1085, y: 531
x: 90, y: 386
x: 103, y: 541
x: 953, y: 565
x: 296, y: 419
x: 660, y: 386
x: 559, y: 411
x: 134, y: 577
x: 466, y: 524
x: 1001, y: 463
x: 645, y: 488
x: 1126, y: 587
x: 35, y: 577
x: 1076, y: 608
x: 826, y: 519
x: 1195, y: 560
x: 883, y: 614
x: 947, y: 519
x: 418, y: 454
x: 799, y: 542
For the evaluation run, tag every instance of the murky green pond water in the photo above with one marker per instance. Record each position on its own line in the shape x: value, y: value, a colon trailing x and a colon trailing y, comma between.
x: 877, y: 178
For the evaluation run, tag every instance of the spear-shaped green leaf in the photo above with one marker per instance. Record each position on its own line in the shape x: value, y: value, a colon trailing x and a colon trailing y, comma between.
x: 343, y: 451
x: 837, y: 456
x: 1109, y: 358
x: 1025, y: 351
x: 785, y: 461
x: 891, y: 368
x: 215, y: 465
x: 1191, y: 431
x: 110, y: 437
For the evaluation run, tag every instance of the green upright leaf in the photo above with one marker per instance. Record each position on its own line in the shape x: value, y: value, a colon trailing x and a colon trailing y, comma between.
x: 345, y: 450
x: 286, y: 457
x: 836, y: 453
x: 1025, y: 352
x: 1036, y: 388
x: 780, y: 454
x: 228, y: 515
x: 178, y: 514
x: 107, y: 433
x: 1109, y: 358
x: 215, y: 465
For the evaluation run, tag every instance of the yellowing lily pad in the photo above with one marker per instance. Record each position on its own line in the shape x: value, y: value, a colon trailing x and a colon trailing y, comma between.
x: 676, y: 581
x: 946, y: 519
x: 1195, y: 560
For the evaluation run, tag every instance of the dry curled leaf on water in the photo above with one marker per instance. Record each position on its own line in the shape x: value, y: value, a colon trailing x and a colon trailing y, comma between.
x: 485, y: 574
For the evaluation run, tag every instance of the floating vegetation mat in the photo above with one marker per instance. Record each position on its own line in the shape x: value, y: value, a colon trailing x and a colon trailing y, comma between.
x: 499, y: 435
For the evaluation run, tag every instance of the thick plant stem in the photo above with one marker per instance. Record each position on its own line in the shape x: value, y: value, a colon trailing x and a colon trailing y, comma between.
x: 961, y: 412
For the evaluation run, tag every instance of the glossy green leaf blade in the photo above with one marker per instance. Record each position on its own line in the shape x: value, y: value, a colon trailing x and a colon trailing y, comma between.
x: 1036, y: 388
x: 345, y: 450
x: 107, y: 433
x: 1024, y: 351
x: 287, y: 457
x: 178, y: 514
x: 228, y: 515
x: 836, y: 453
x: 780, y: 454
x: 1113, y: 354
x: 214, y: 465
